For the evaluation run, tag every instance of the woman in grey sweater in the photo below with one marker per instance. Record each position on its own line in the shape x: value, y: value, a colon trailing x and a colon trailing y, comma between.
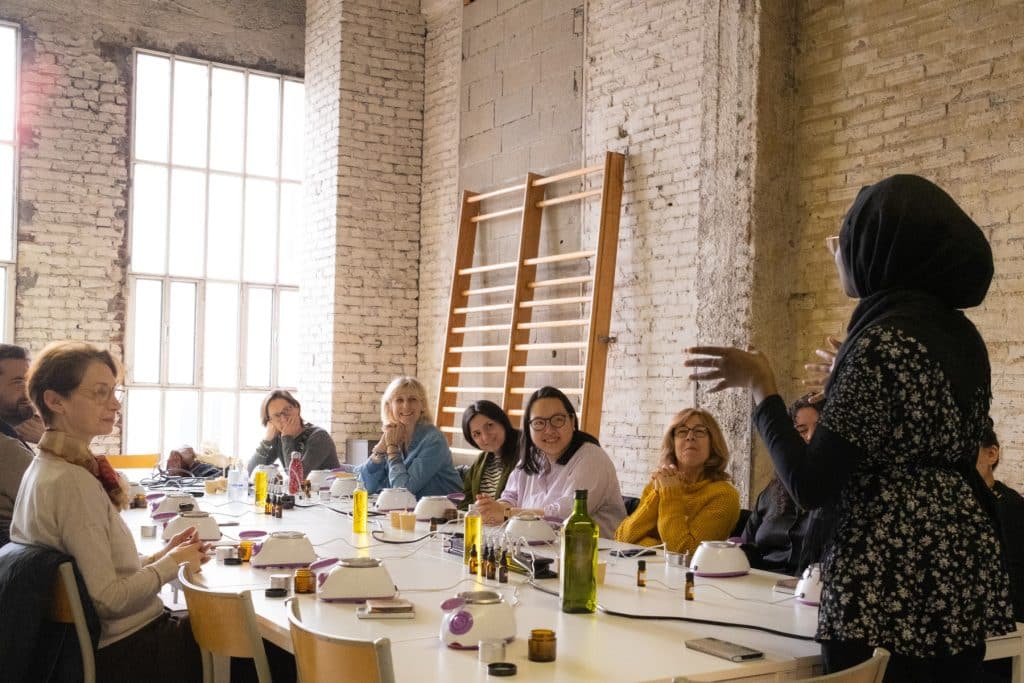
x: 286, y: 433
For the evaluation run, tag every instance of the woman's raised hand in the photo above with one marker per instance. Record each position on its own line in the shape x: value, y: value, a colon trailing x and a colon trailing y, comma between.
x: 292, y: 424
x: 733, y: 368
x: 818, y: 373
x: 491, y: 511
x: 271, y: 432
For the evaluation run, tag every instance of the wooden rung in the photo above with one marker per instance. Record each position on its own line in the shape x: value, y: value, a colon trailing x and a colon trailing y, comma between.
x: 481, y: 309
x: 581, y: 322
x: 555, y: 258
x: 525, y: 391
x: 481, y: 369
x: 538, y: 303
x: 481, y: 328
x: 518, y: 412
x: 473, y: 390
x: 559, y: 281
x: 496, y: 214
x: 548, y: 368
x: 479, y: 349
x: 576, y: 196
x: 568, y: 174
x: 453, y: 409
x: 551, y: 345
x: 487, y: 269
x: 451, y: 430
x: 464, y: 451
x: 488, y: 290
x: 495, y: 193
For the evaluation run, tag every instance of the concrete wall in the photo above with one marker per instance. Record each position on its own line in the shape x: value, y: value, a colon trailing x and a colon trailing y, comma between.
x: 74, y: 128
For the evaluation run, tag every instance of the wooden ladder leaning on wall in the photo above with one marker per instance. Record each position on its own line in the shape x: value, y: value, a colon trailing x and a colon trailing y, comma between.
x: 593, y: 327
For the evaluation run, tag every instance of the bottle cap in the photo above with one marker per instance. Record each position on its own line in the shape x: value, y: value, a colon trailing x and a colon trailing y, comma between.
x: 501, y: 669
x: 581, y: 494
x: 641, y: 565
x: 472, y: 508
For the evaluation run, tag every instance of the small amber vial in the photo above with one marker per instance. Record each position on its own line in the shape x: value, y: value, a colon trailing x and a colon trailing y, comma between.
x: 305, y: 582
x: 245, y: 550
x: 542, y: 645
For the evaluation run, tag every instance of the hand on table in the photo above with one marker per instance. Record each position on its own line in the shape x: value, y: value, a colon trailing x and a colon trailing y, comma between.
x: 818, y: 373
x: 733, y: 368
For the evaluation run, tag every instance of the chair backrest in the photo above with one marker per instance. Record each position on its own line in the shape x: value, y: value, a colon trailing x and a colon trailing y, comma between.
x: 133, y: 461
x: 224, y: 623
x: 323, y: 658
x: 66, y: 608
x: 870, y: 671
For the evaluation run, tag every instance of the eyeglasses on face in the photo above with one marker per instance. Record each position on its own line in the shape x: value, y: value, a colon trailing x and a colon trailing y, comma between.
x: 281, y: 414
x: 699, y: 432
x: 832, y: 242
x: 539, y: 424
x: 101, y: 393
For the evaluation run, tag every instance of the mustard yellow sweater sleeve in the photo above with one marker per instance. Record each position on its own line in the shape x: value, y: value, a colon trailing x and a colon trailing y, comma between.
x: 641, y: 527
x: 689, y: 514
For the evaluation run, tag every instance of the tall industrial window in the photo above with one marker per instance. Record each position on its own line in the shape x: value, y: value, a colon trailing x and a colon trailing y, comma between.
x: 216, y: 204
x: 8, y: 173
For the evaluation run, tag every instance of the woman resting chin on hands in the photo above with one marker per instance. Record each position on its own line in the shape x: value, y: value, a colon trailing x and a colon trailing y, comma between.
x: 70, y: 500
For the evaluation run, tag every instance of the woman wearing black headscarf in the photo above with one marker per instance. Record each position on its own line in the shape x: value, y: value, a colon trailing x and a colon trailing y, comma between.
x: 915, y: 565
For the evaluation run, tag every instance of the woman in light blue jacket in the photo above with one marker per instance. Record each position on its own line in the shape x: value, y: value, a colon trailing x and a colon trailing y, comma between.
x: 412, y: 453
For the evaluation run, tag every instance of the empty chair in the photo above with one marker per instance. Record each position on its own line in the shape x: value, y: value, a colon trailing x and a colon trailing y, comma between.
x: 66, y: 608
x: 224, y: 624
x: 141, y: 461
x: 323, y: 658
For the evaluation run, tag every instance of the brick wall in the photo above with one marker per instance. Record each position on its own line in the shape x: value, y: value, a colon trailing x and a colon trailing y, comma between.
x: 74, y: 123
x: 932, y: 88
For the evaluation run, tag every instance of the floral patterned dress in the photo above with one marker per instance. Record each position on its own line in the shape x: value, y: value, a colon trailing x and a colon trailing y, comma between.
x: 914, y: 565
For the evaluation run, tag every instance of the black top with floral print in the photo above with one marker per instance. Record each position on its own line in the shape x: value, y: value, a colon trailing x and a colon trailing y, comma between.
x: 914, y: 565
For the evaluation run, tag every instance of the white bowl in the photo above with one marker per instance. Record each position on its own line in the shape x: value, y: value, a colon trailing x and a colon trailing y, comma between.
x: 430, y: 507
x: 319, y: 478
x: 395, y: 499
x: 343, y: 486
x: 719, y: 558
x: 530, y: 528
x: 808, y: 588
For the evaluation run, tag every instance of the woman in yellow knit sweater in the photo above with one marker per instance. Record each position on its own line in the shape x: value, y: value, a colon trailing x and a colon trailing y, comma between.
x: 689, y: 498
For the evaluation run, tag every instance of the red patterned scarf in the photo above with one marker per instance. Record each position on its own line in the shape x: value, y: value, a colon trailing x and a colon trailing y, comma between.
x: 76, y: 452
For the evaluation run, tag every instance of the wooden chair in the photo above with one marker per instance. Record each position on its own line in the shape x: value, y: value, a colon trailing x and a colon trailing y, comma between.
x: 66, y: 608
x: 120, y: 462
x: 224, y: 624
x: 870, y: 671
x: 323, y: 658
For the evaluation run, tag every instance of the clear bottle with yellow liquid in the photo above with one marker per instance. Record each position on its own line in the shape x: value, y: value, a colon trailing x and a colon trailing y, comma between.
x: 359, y: 508
x: 472, y: 533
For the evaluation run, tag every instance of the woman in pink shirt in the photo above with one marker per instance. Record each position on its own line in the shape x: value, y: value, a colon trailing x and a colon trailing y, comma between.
x: 556, y: 459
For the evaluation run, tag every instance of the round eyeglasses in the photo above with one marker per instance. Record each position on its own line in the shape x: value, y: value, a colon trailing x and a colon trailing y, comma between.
x: 539, y: 424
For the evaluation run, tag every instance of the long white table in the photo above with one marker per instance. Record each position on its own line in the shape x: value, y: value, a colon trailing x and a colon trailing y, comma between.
x: 590, y: 647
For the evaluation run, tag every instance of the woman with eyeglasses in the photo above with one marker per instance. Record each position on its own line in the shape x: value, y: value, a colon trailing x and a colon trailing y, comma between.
x: 689, y: 498
x: 914, y: 565
x: 556, y: 459
x: 288, y: 433
x: 486, y: 426
x: 71, y: 500
x: 412, y: 452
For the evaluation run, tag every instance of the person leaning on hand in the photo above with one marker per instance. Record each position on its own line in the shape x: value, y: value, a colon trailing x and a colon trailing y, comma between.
x: 689, y: 498
x: 71, y: 500
x: 287, y: 432
x: 412, y: 453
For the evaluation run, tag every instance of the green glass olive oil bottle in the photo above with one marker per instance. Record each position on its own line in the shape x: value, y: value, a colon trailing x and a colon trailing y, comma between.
x: 578, y: 575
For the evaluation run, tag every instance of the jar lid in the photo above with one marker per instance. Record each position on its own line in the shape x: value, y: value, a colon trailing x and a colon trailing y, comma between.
x: 501, y: 669
x: 359, y: 562
x: 480, y: 597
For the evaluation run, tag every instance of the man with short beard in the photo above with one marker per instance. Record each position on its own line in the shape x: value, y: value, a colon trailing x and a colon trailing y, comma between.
x: 15, y: 411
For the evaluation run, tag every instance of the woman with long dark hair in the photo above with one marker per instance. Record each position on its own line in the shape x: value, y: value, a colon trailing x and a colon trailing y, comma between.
x: 486, y: 426
x: 556, y: 459
x: 914, y: 565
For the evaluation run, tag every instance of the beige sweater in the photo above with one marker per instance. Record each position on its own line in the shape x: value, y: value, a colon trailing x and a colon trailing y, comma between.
x: 63, y: 506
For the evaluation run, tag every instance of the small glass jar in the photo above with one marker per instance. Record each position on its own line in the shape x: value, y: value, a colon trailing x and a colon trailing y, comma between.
x: 305, y: 581
x: 542, y: 645
x: 245, y: 550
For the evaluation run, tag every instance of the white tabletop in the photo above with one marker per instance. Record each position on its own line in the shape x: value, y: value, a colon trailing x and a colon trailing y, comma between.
x: 590, y: 647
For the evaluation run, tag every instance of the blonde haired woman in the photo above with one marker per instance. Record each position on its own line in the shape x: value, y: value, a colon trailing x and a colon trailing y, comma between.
x: 412, y: 452
x: 689, y: 498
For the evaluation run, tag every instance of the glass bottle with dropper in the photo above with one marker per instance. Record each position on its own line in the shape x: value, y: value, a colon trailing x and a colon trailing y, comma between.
x: 359, y: 508
x: 472, y: 532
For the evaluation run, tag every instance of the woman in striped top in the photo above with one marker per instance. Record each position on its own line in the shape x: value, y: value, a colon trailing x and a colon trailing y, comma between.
x: 486, y: 426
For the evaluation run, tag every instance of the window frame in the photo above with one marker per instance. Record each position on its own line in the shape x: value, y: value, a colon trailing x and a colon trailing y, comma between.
x: 166, y: 279
x: 11, y: 267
